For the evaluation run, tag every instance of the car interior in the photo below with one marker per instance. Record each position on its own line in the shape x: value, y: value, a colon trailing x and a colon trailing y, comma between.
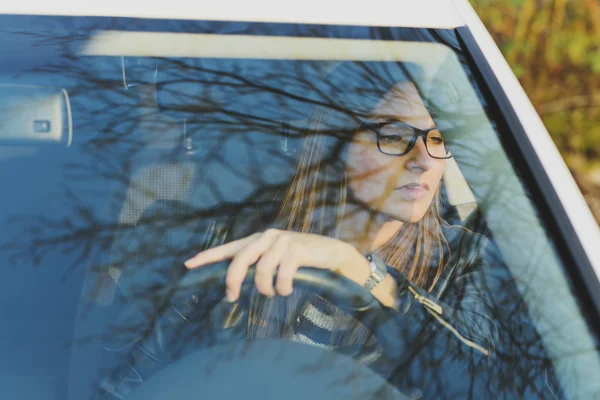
x: 122, y: 147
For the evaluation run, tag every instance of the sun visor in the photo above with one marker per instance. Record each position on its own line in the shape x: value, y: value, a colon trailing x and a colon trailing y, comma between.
x: 35, y: 115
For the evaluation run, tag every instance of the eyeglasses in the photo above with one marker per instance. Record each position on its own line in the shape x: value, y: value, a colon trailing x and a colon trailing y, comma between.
x: 396, y: 138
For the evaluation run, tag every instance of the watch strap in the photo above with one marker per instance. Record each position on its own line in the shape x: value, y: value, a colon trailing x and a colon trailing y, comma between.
x: 378, y: 271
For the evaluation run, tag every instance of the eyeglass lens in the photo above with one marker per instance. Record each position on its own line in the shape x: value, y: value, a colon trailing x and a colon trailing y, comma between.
x: 394, y: 139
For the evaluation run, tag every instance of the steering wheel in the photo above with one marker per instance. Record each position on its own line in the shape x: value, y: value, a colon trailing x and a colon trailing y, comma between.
x: 338, y: 290
x: 343, y: 293
x: 273, y: 368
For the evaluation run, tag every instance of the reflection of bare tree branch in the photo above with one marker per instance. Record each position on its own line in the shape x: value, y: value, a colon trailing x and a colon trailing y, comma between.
x: 135, y: 258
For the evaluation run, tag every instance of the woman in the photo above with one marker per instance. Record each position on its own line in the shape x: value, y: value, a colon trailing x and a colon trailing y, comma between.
x: 393, y: 189
x: 370, y: 213
x: 389, y: 191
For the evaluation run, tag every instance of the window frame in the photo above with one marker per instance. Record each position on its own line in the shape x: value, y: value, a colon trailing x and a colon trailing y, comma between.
x: 560, y: 229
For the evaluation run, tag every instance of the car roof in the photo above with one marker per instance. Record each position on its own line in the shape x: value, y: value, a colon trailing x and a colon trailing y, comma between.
x: 403, y: 13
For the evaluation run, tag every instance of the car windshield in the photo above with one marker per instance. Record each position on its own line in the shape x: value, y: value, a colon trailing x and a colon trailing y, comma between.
x: 127, y: 146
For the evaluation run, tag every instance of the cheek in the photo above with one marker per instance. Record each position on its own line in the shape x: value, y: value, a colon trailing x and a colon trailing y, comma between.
x: 438, y: 172
x: 434, y: 180
x: 360, y: 159
x: 369, y: 172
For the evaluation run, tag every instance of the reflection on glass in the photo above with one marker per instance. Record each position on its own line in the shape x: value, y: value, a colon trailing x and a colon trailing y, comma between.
x: 325, y: 149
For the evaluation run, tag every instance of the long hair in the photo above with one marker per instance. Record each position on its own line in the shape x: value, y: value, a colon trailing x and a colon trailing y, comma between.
x: 315, y: 202
x: 316, y: 199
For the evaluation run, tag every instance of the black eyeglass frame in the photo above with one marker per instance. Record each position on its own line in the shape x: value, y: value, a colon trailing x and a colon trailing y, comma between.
x: 376, y: 127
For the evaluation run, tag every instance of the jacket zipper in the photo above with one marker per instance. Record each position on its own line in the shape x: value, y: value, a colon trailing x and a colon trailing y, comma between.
x: 436, y: 310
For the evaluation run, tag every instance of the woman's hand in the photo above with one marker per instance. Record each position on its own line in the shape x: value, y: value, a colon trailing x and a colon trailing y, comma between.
x: 282, y: 253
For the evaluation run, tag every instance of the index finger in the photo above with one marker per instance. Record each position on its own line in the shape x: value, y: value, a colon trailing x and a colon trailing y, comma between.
x: 219, y: 253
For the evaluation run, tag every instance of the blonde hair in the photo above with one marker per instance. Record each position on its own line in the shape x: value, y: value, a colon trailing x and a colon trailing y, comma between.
x: 316, y: 198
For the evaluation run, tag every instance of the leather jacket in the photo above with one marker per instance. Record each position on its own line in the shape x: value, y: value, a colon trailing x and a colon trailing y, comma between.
x: 455, y: 326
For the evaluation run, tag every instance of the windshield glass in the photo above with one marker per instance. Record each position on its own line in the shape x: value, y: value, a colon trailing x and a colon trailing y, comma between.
x: 369, y: 155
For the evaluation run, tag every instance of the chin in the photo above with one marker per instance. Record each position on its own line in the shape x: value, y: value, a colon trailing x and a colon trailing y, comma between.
x: 406, y: 218
x: 417, y: 218
x: 409, y: 215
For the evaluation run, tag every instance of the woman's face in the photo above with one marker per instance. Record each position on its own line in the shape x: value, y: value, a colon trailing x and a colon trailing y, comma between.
x: 399, y: 186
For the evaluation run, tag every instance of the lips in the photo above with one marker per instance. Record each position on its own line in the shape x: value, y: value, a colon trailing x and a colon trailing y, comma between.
x: 413, y: 191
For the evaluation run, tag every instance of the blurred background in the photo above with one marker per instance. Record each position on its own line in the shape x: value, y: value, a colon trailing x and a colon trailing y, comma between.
x: 553, y: 47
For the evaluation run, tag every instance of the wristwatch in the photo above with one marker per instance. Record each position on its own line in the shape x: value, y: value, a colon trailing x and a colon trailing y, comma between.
x: 378, y: 271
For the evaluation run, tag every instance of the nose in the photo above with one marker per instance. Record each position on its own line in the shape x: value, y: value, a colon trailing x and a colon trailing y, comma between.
x: 419, y: 158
